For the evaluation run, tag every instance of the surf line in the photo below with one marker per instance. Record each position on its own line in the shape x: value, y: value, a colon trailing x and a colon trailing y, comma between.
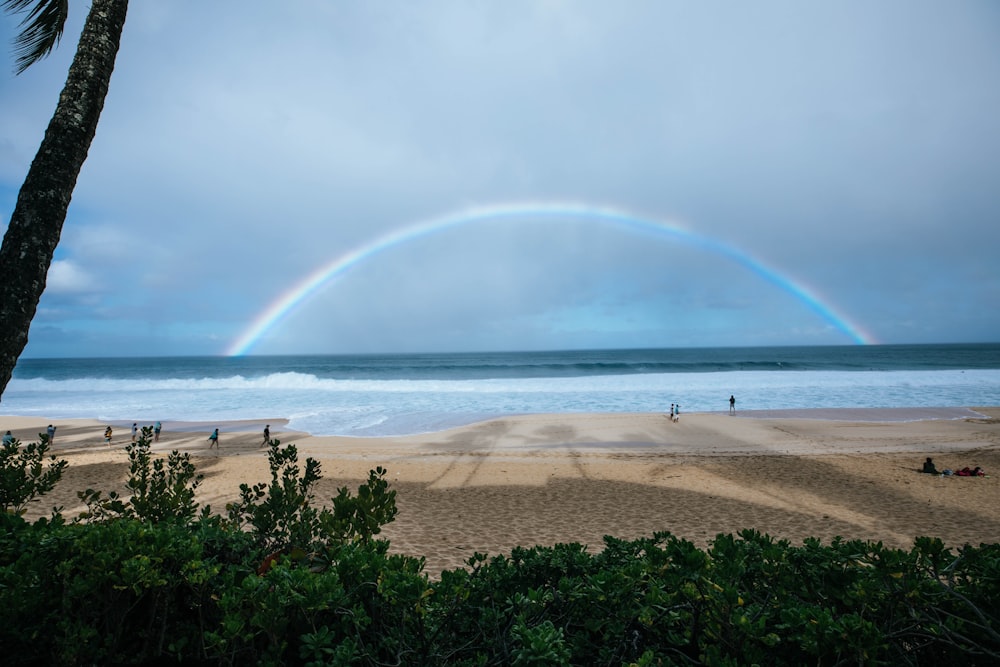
x: 280, y: 308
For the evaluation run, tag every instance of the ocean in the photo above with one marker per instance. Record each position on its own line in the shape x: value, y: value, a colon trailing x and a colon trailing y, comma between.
x: 397, y: 394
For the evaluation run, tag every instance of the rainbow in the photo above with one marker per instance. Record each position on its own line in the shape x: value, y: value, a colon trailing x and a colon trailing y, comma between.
x: 277, y: 311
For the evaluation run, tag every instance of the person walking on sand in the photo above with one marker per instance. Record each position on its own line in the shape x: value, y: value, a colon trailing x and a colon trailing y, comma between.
x: 135, y: 432
x: 267, y: 436
x: 51, y: 431
x: 107, y: 435
x: 214, y: 439
x: 156, y: 431
x: 732, y: 404
x: 677, y: 413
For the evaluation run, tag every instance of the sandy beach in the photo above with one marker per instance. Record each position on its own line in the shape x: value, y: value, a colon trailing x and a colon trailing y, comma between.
x: 546, y: 479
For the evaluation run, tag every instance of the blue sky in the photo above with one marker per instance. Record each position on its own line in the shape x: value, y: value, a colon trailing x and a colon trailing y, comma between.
x: 851, y: 148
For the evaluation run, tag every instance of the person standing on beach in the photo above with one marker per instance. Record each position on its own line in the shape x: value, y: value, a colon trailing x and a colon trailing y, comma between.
x: 732, y: 404
x: 214, y: 439
x: 51, y: 430
x: 677, y: 413
x: 267, y: 436
x: 107, y: 435
x: 135, y: 432
x: 671, y: 412
x: 156, y: 431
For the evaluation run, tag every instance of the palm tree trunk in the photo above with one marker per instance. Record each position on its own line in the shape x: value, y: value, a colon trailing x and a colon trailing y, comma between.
x: 37, y: 221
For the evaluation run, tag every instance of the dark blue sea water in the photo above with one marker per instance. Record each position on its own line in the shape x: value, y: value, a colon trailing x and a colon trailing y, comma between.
x: 410, y: 393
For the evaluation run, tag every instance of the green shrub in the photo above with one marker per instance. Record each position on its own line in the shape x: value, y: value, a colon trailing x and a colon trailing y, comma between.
x: 746, y: 600
x: 24, y: 475
x: 353, y: 605
x: 161, y: 489
x: 282, y: 519
x: 147, y: 578
x: 279, y: 515
x: 110, y: 592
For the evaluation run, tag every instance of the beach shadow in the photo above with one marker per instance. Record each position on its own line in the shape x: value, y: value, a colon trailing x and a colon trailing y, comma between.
x: 787, y: 497
x: 898, y: 501
x: 103, y: 476
x: 449, y: 525
x: 470, y: 445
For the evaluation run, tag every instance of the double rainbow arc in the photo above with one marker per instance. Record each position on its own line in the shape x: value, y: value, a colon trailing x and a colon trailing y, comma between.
x: 281, y: 307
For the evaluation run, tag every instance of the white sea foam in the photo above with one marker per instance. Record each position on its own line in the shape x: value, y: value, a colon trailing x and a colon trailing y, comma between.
x: 327, y: 406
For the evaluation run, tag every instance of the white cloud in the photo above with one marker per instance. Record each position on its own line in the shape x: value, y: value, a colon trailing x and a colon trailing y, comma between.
x: 65, y: 277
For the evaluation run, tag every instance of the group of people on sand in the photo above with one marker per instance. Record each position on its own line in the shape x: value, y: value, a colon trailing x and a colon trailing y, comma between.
x: 930, y: 468
x: 109, y: 433
x: 213, y: 439
x: 675, y: 409
x: 50, y: 433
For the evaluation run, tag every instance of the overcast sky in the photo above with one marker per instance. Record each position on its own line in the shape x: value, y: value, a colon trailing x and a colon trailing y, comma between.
x: 852, y: 149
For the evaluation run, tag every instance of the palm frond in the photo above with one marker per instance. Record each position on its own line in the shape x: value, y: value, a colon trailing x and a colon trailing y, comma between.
x: 41, y: 29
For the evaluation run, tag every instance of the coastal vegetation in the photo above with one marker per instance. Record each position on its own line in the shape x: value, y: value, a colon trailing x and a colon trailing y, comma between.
x: 277, y: 577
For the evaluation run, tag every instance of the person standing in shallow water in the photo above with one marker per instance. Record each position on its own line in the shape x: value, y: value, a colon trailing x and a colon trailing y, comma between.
x: 732, y: 404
